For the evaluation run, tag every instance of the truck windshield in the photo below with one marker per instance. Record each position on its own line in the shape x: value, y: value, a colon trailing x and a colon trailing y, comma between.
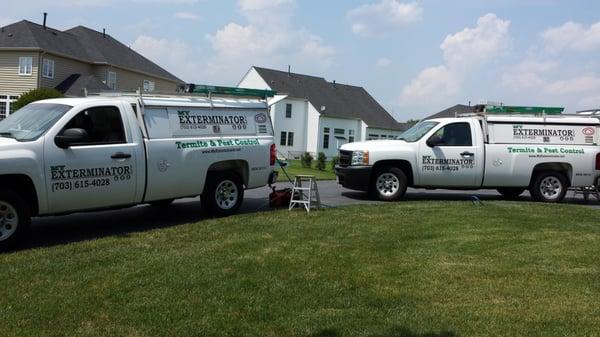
x: 417, y: 131
x: 31, y: 121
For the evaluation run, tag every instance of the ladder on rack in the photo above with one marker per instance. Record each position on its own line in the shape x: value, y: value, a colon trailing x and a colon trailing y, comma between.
x: 299, y: 197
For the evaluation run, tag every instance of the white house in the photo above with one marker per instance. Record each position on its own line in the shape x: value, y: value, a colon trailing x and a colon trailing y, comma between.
x: 320, y: 116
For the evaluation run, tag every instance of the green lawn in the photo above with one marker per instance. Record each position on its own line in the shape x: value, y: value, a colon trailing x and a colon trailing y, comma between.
x: 402, y: 269
x: 294, y: 168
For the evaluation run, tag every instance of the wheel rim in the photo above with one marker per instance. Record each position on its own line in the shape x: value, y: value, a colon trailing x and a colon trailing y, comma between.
x: 551, y: 187
x: 9, y: 220
x: 227, y: 194
x: 387, y: 184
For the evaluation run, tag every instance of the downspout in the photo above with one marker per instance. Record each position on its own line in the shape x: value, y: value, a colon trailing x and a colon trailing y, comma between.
x: 39, y: 70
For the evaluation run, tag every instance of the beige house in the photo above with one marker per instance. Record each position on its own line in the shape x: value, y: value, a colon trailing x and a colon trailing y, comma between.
x: 72, y: 61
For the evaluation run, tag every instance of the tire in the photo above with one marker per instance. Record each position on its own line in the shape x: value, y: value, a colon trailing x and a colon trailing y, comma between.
x: 15, y: 218
x: 161, y: 203
x: 549, y: 186
x: 389, y: 184
x: 511, y: 192
x: 223, y: 194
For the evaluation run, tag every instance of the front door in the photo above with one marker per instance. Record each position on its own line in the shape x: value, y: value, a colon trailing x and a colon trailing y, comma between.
x: 454, y: 161
x: 96, y: 173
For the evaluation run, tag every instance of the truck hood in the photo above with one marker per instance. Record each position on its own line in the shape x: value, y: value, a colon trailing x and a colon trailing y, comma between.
x: 7, y: 141
x: 372, y: 144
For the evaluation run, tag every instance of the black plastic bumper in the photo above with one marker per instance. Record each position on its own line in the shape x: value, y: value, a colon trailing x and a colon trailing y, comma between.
x: 354, y: 177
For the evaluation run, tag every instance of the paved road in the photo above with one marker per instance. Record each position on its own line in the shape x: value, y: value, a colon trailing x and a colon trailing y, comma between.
x: 51, y: 231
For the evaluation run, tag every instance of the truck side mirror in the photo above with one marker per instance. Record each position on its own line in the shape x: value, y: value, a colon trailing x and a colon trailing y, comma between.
x: 434, y: 141
x: 71, y: 137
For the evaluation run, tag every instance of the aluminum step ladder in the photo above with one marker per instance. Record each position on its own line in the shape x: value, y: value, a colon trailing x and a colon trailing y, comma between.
x: 305, y: 196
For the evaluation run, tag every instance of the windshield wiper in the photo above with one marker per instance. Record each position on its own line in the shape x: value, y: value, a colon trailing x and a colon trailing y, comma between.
x: 7, y: 134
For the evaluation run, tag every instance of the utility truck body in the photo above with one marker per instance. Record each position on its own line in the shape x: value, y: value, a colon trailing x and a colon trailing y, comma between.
x: 78, y: 154
x: 509, y: 152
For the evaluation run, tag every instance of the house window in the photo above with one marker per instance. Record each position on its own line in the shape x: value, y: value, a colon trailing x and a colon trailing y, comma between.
x: 6, y: 106
x: 288, y: 111
x: 326, y: 130
x: 339, y: 131
x: 25, y: 65
x: 287, y: 139
x: 111, y: 80
x: 48, y: 68
x: 283, y: 140
x: 148, y: 86
x: 350, y: 136
x: 325, y: 138
x: 373, y: 136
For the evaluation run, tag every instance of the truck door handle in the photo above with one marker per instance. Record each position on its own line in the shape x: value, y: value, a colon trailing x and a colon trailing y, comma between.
x: 467, y: 154
x: 120, y: 155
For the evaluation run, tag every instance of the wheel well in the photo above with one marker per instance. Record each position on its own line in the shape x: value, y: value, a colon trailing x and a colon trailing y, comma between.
x: 240, y: 167
x: 563, y: 168
x: 22, y: 185
x: 404, y: 165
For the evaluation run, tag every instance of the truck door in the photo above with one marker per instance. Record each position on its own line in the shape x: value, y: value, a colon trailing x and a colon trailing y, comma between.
x: 452, y: 156
x: 96, y: 172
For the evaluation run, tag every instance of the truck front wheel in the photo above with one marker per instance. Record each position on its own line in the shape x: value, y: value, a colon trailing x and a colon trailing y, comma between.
x: 389, y: 184
x: 549, y: 187
x: 223, y: 194
x: 15, y: 218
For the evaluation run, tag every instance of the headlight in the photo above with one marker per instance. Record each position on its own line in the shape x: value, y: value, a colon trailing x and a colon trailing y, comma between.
x: 360, y: 158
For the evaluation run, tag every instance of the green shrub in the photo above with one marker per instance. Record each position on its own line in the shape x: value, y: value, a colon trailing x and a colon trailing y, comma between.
x: 334, y: 161
x: 36, y: 95
x: 321, y: 161
x: 306, y: 160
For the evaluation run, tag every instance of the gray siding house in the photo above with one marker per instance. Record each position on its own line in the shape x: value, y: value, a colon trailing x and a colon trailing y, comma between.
x: 36, y: 56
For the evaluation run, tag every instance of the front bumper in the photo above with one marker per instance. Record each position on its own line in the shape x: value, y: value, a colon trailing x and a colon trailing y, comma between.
x: 354, y: 177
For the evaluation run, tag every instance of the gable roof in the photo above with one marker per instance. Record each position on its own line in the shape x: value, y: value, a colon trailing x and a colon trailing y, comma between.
x: 80, y: 43
x: 452, y: 111
x: 338, y: 100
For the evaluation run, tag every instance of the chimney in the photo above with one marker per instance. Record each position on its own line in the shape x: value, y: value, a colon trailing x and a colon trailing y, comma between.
x: 334, y: 83
x: 45, y: 15
x: 103, y: 32
x: 289, y: 70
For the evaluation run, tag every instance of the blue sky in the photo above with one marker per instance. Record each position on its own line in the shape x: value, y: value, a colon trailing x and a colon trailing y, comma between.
x: 414, y: 57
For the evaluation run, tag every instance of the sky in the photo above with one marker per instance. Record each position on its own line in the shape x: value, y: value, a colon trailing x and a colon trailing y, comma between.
x: 415, y: 57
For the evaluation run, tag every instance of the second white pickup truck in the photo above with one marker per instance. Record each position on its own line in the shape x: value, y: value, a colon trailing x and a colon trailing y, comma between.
x: 511, y: 153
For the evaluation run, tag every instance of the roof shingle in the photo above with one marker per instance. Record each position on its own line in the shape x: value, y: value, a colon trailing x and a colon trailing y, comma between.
x: 331, y: 99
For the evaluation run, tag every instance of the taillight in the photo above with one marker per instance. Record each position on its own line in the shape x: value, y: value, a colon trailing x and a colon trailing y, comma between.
x: 273, y: 154
x: 598, y: 161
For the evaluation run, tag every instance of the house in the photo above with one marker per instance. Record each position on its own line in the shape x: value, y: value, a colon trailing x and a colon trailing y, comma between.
x: 35, y: 56
x: 452, y: 111
x: 320, y: 116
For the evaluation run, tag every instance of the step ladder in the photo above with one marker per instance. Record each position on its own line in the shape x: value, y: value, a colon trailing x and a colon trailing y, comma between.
x: 306, y: 194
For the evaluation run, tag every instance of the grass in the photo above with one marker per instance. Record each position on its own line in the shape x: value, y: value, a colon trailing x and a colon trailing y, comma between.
x: 402, y: 269
x: 294, y: 168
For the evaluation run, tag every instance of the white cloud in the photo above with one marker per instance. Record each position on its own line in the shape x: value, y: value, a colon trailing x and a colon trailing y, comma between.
x: 527, y: 74
x: 186, y: 16
x: 174, y: 55
x: 472, y: 47
x: 575, y: 85
x: 572, y: 36
x: 433, y: 84
x: 465, y: 52
x: 383, y: 62
x: 257, y: 5
x: 379, y: 18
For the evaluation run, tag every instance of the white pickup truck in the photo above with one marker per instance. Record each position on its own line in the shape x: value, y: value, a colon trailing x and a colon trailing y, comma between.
x: 511, y: 153
x: 68, y: 155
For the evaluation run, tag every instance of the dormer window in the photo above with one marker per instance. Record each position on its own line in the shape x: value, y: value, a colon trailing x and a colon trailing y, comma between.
x: 48, y: 68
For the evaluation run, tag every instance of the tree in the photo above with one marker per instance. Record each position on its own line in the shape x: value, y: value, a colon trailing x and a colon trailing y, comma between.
x: 412, y: 122
x: 321, y: 161
x: 306, y: 160
x: 36, y: 95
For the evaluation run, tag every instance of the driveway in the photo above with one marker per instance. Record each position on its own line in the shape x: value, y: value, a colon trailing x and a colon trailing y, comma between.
x: 51, y: 231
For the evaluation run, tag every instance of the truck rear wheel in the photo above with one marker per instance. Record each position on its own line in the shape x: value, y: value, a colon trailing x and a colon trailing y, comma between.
x: 15, y: 217
x: 389, y: 184
x: 511, y: 192
x: 549, y: 186
x: 223, y: 194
